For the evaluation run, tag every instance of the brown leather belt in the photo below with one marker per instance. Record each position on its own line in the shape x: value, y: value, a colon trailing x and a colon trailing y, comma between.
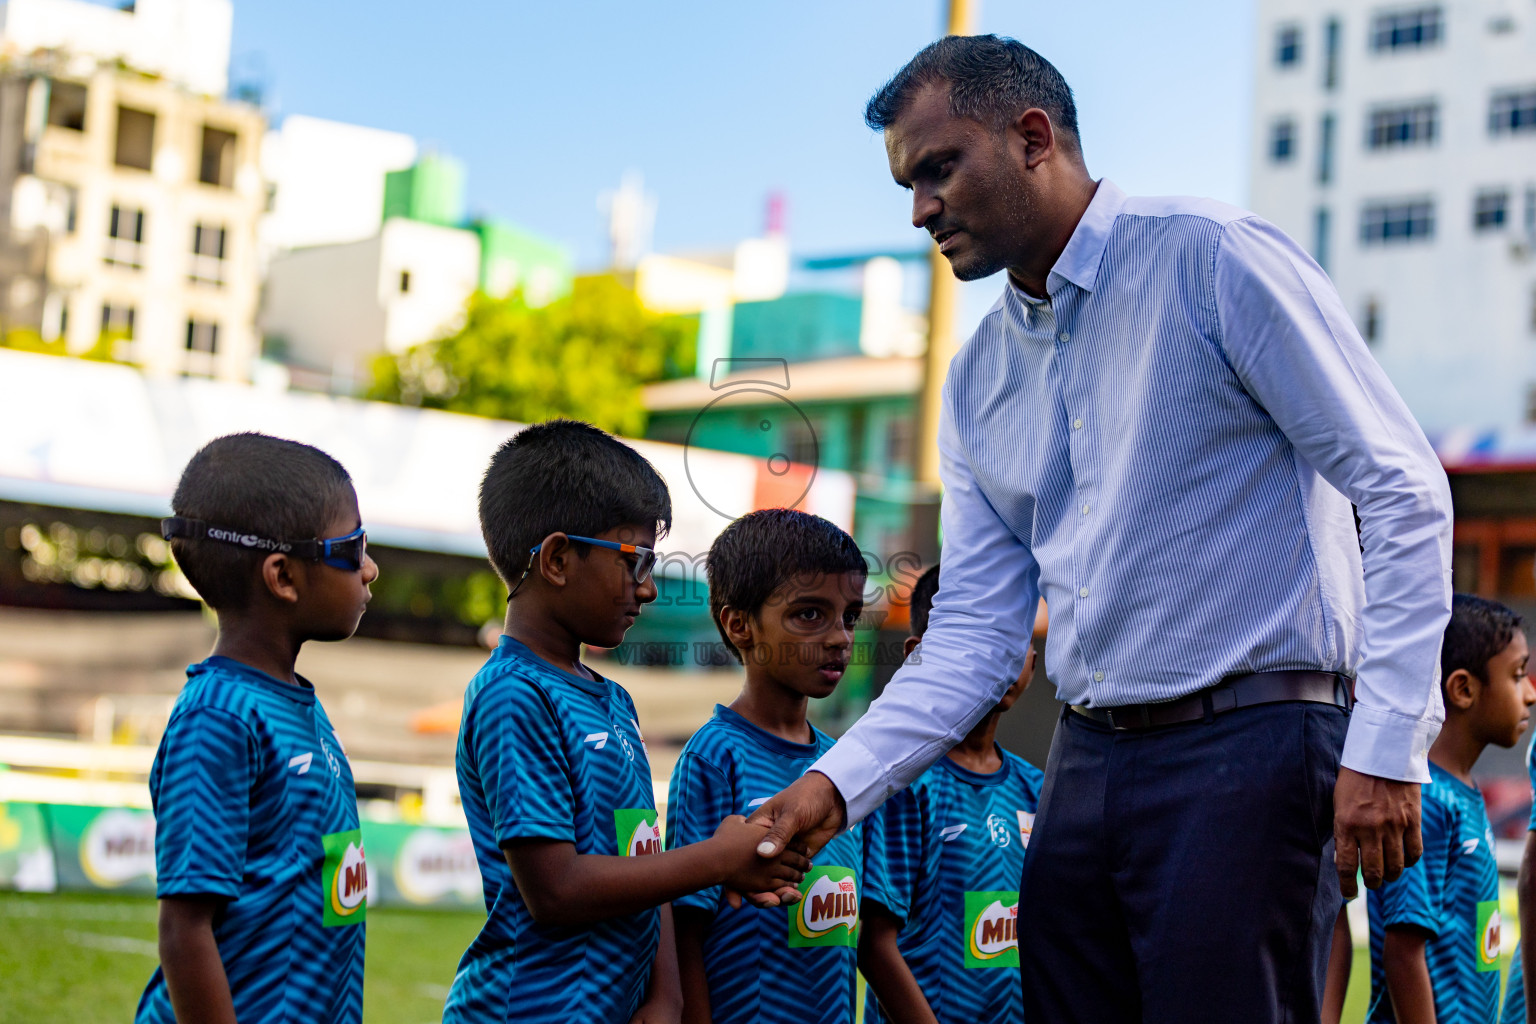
x: 1228, y: 695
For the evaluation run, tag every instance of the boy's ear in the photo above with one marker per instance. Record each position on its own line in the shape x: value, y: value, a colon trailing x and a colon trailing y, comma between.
x: 738, y: 628
x: 1461, y: 689
x: 553, y: 562
x: 909, y: 645
x: 278, y: 577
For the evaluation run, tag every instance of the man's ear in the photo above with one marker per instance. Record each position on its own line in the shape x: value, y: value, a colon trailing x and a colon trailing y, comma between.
x: 1034, y: 136
x: 909, y: 645
x: 553, y: 562
x: 277, y: 575
x: 738, y: 628
x: 1461, y: 689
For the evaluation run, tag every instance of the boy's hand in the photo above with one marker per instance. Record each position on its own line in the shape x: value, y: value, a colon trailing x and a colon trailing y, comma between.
x: 809, y: 813
x: 747, y: 870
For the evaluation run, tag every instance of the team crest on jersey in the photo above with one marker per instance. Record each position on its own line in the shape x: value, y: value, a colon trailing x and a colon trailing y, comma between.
x: 1489, y: 941
x: 1026, y: 827
x: 992, y: 929
x: 999, y: 829
x: 345, y: 878
x: 828, y: 911
x: 636, y: 831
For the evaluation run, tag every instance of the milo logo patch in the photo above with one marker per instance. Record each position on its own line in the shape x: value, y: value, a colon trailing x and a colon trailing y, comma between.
x: 636, y: 831
x: 345, y: 877
x: 828, y: 911
x: 991, y: 929
x: 1489, y: 924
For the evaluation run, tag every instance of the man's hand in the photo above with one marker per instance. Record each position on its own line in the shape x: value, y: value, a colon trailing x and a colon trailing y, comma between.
x: 1375, y: 829
x: 812, y: 810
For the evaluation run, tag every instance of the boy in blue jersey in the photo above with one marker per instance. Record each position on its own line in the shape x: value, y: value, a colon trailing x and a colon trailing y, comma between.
x: 259, y: 859
x: 785, y: 591
x: 1435, y: 931
x: 941, y: 905
x: 1515, y: 1005
x: 552, y: 770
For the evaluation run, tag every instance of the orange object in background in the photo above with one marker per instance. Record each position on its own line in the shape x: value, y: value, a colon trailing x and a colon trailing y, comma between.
x: 438, y: 719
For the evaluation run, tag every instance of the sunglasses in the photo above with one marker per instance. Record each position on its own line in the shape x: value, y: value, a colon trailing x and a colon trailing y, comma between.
x: 645, y: 558
x: 345, y: 552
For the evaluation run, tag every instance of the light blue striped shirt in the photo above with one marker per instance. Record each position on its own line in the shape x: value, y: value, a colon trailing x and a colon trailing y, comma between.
x: 1162, y: 450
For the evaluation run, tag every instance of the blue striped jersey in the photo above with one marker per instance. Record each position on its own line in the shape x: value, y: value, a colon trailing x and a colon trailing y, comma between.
x: 1514, y: 985
x: 254, y: 804
x: 945, y: 858
x: 544, y: 754
x: 794, y: 965
x: 1453, y: 894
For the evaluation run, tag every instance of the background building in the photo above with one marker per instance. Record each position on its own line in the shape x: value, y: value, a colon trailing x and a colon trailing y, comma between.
x: 1398, y: 142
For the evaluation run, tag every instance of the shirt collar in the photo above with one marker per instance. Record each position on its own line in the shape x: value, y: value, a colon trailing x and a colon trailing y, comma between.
x: 1079, y: 261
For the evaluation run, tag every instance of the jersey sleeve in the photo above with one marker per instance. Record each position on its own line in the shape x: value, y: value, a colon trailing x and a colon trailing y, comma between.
x: 1530, y: 764
x: 201, y: 790
x: 698, y: 799
x: 1417, y: 897
x: 899, y: 849
x: 515, y: 741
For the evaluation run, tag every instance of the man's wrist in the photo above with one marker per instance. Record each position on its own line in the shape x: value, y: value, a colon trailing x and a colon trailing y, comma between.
x: 838, y: 803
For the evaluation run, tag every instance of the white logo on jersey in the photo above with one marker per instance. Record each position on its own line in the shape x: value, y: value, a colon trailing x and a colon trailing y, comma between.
x: 599, y: 740
x: 997, y: 828
x: 1469, y: 846
x: 758, y: 802
x: 1026, y: 826
x: 952, y: 832
x: 301, y: 762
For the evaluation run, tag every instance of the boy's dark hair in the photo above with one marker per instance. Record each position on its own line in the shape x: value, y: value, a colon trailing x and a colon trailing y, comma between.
x: 254, y: 483
x: 923, y: 592
x: 564, y: 476
x: 760, y: 552
x: 991, y: 79
x: 1479, y: 629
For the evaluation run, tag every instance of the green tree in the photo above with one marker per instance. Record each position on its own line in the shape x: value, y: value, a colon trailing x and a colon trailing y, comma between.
x: 584, y: 356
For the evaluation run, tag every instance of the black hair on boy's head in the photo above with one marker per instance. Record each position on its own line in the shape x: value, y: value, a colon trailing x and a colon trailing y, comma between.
x: 923, y: 592
x: 253, y: 483
x: 1478, y: 630
x: 563, y: 476
x: 761, y: 551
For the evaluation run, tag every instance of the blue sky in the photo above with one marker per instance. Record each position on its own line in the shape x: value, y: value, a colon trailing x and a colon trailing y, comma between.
x: 719, y: 103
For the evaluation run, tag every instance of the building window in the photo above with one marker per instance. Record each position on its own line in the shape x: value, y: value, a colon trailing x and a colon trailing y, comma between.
x: 117, y: 321
x: 1326, y: 132
x: 125, y: 238
x: 202, y: 336
x: 1414, y: 124
x: 66, y: 105
x: 1370, y: 326
x: 1530, y: 403
x: 1288, y: 46
x: 208, y: 253
x: 1410, y: 29
x: 135, y: 138
x: 1282, y: 141
x: 800, y: 442
x: 1511, y: 111
x: 1321, y: 223
x: 217, y: 166
x: 1332, y: 32
x: 405, y: 282
x: 899, y: 453
x: 1385, y: 223
x: 1490, y: 209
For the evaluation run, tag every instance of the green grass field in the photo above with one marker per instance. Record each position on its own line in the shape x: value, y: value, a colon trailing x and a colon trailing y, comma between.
x: 85, y: 959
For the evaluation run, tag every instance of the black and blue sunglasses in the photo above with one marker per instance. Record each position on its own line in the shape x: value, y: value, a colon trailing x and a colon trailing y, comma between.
x: 338, y: 552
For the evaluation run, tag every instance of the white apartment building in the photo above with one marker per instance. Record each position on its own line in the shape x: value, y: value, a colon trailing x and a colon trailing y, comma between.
x: 1397, y: 142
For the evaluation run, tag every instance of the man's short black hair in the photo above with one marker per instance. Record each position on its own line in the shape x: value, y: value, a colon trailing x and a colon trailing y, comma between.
x: 991, y: 79
x: 254, y: 483
x: 564, y: 476
x: 1479, y: 629
x: 923, y: 592
x: 760, y: 552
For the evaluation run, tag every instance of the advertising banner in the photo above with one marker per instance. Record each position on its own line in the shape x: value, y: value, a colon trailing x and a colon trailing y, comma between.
x: 103, y: 848
x: 421, y: 866
x: 26, y: 857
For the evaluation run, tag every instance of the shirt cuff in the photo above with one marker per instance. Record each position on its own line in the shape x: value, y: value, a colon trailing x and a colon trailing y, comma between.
x: 858, y: 775
x: 1387, y: 745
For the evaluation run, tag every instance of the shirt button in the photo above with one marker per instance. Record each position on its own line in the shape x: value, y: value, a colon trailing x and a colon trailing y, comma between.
x: 1083, y: 592
x: 1085, y: 509
x: 1098, y: 677
x: 1077, y: 424
x: 1065, y: 335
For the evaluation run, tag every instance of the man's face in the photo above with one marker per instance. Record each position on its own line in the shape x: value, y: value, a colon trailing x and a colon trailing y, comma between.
x: 969, y: 187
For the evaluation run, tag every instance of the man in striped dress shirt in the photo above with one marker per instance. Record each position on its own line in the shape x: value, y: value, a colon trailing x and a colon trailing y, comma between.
x: 1160, y: 428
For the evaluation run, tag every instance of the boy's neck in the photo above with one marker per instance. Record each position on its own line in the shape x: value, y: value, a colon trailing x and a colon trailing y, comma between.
x: 545, y: 637
x: 978, y: 751
x: 773, y: 708
x: 1456, y: 749
x: 264, y: 646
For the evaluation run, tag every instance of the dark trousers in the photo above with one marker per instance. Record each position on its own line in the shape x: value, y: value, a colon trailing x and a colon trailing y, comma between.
x: 1185, y: 874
